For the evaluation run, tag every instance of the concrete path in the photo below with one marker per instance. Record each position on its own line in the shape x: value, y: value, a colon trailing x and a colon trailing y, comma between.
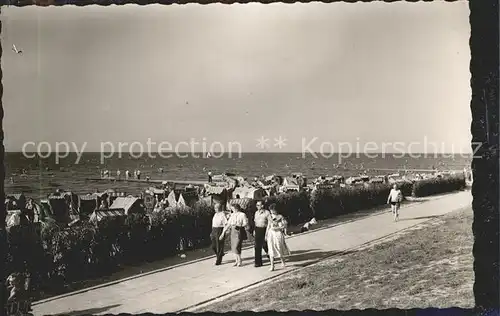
x: 184, y: 287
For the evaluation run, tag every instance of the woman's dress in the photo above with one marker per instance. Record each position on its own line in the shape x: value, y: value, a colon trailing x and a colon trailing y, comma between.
x: 276, y: 237
x: 238, y: 222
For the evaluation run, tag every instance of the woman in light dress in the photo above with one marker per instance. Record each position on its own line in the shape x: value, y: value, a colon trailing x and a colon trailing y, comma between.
x: 275, y: 236
x: 240, y: 230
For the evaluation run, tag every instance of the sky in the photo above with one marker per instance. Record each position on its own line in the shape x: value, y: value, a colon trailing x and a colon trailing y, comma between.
x: 340, y: 72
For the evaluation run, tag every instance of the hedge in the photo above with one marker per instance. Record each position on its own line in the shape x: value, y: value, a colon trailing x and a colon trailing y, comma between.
x: 299, y: 207
x: 439, y: 185
x: 294, y: 206
x: 92, y: 251
x: 338, y: 201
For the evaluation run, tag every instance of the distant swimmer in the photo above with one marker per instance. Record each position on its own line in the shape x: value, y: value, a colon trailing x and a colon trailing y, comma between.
x: 209, y: 177
x: 138, y: 173
x: 127, y: 174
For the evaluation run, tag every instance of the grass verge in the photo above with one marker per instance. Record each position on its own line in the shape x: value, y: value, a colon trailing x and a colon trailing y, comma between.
x: 427, y: 266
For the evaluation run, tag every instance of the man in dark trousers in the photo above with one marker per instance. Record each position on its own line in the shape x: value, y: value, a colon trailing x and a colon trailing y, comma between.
x: 261, y: 220
x: 218, y: 222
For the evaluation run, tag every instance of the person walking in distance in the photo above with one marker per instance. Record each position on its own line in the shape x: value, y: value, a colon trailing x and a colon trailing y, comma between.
x: 395, y: 197
x: 219, y: 221
x: 261, y: 221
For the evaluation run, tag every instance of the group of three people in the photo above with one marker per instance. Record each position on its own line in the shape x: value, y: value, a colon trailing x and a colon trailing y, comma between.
x: 269, y: 233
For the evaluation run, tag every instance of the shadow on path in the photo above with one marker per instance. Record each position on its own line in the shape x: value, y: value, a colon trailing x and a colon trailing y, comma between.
x: 421, y: 217
x: 302, y: 252
x: 90, y: 311
x: 308, y: 258
x: 266, y: 259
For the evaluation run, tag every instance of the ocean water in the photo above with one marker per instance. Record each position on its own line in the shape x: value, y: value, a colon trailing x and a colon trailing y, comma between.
x: 44, y: 176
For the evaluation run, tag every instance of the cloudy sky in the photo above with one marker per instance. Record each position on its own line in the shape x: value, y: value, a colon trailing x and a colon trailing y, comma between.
x: 371, y: 72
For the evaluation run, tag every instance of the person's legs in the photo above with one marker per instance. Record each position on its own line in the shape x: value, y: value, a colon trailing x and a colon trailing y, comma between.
x: 272, y: 262
x: 214, y: 238
x: 219, y: 247
x: 240, y: 261
x: 235, y: 241
x: 220, y: 251
x: 283, y: 261
x: 214, y: 245
x: 264, y: 245
x: 259, y: 244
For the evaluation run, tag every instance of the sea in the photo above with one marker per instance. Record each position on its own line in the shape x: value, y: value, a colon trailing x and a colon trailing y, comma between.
x: 37, y: 177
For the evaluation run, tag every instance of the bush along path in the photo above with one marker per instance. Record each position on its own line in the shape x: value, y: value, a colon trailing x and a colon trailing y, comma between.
x: 63, y: 257
x: 187, y: 286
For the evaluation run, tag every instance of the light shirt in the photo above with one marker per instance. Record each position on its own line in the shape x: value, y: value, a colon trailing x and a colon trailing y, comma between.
x: 238, y: 219
x: 395, y: 195
x: 219, y: 220
x: 262, y: 218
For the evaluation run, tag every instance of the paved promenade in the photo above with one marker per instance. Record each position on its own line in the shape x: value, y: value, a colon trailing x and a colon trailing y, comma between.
x: 183, y: 287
